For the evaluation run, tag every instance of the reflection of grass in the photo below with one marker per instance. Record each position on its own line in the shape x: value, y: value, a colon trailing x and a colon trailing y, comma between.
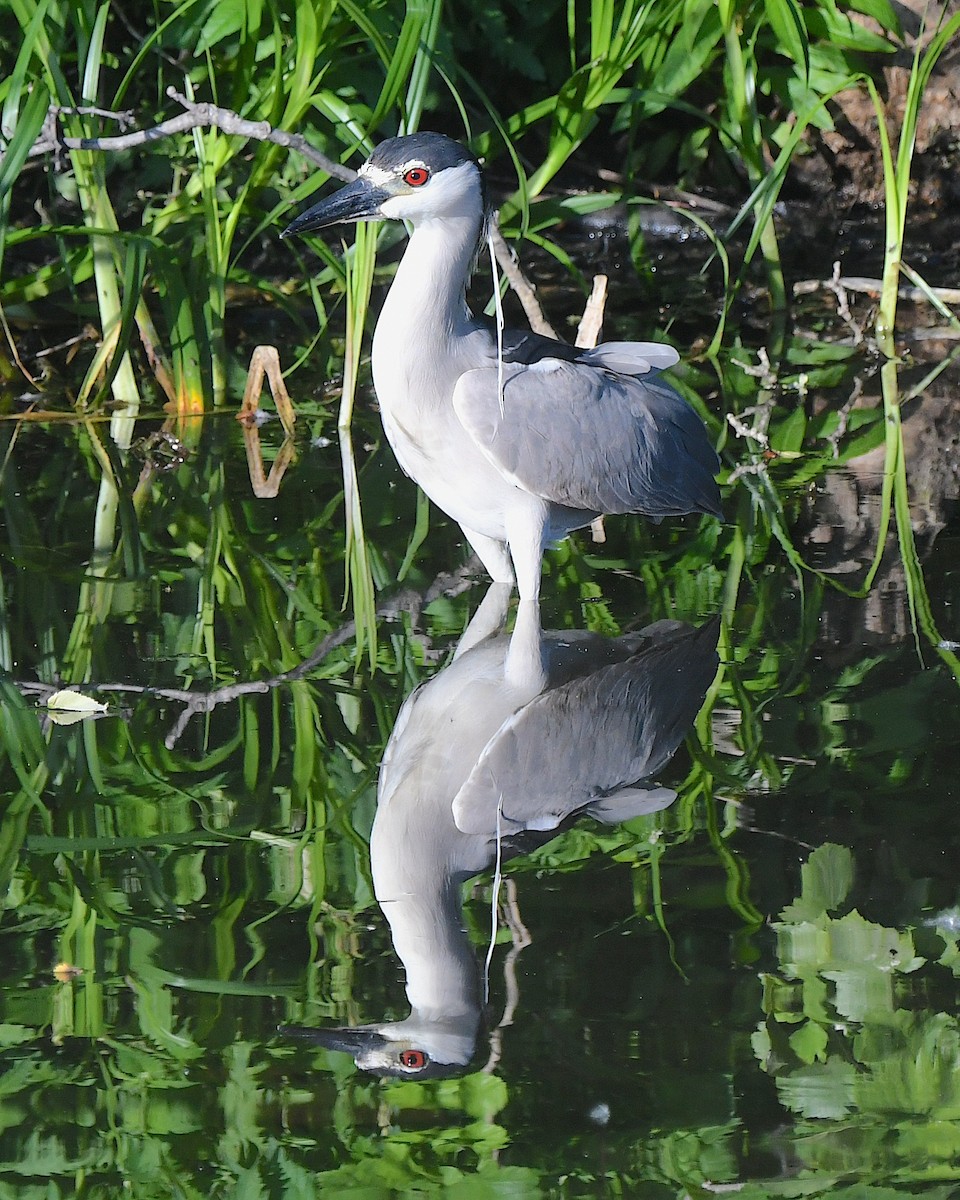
x: 174, y: 876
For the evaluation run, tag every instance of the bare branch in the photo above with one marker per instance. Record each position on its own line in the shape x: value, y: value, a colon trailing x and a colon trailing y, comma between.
x: 873, y: 287
x: 591, y: 323
x: 196, y: 116
x: 448, y: 583
x: 518, y: 281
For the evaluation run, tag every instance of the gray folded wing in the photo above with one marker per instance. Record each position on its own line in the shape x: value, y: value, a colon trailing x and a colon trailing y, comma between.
x: 525, y: 348
x: 631, y: 358
x: 591, y: 439
x: 593, y: 742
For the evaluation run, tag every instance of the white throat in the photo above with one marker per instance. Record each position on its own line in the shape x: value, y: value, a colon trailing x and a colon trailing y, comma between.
x: 425, y: 312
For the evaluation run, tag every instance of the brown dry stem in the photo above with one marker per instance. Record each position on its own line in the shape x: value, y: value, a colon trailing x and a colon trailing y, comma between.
x: 265, y: 361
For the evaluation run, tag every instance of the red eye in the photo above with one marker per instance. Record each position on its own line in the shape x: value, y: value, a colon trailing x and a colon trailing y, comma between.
x: 414, y: 1059
x: 416, y: 176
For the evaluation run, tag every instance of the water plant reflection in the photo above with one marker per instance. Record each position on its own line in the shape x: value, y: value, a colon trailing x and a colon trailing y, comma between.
x: 482, y: 763
x: 862, y: 1044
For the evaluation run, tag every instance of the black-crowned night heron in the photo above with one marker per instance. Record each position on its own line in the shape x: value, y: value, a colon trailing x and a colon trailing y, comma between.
x: 472, y: 753
x: 522, y: 455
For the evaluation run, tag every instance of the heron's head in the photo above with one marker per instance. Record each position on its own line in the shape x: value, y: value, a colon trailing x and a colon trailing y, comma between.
x: 413, y: 178
x: 411, y: 1049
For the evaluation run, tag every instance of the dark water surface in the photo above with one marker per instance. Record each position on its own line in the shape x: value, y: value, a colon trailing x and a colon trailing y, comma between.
x: 752, y: 989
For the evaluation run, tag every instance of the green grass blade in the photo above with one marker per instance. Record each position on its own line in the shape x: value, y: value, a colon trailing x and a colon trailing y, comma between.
x: 420, y: 530
x: 359, y: 581
x: 921, y: 613
x: 786, y: 20
x: 15, y: 155
x: 401, y: 63
x: 420, y: 70
x: 90, y: 87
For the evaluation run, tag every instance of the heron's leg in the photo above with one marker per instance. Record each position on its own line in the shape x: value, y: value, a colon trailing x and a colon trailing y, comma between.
x: 488, y: 619
x: 526, y: 523
x: 493, y: 554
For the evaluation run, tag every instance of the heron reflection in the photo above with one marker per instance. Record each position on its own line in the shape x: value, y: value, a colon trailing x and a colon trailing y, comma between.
x: 477, y: 758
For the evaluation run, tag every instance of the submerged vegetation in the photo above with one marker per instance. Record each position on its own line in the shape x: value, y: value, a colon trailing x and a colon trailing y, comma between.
x: 194, y: 858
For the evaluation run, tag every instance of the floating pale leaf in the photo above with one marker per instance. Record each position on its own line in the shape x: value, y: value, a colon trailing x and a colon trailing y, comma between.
x: 67, y: 707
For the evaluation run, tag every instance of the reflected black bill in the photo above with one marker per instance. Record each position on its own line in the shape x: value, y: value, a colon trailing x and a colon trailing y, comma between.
x: 349, y: 1040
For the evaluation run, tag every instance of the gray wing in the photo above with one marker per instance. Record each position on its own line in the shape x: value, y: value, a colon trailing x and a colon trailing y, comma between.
x: 587, y: 744
x: 591, y: 439
x: 524, y: 347
x: 631, y: 358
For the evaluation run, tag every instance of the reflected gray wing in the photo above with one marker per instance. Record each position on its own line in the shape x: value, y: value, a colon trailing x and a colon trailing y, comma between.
x: 591, y: 439
x: 590, y: 740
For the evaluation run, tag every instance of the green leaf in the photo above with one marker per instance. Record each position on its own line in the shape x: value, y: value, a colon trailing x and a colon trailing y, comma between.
x: 787, y: 23
x: 691, y: 48
x: 820, y: 1092
x: 787, y: 435
x: 21, y: 737
x: 226, y: 19
x: 883, y: 12
x: 29, y: 123
x: 15, y: 1035
x: 832, y: 26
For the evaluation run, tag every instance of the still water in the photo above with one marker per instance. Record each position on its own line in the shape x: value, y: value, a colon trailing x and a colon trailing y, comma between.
x: 739, y: 977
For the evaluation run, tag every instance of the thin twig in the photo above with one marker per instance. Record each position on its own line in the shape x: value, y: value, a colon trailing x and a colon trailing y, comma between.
x: 843, y: 416
x: 521, y: 286
x: 754, y: 433
x: 752, y: 468
x: 763, y: 371
x: 520, y: 938
x: 195, y: 116
x: 87, y: 334
x: 13, y: 350
x: 836, y: 285
x: 873, y: 287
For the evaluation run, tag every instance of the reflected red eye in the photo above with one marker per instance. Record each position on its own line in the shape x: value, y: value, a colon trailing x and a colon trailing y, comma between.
x: 414, y: 1059
x: 416, y: 176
